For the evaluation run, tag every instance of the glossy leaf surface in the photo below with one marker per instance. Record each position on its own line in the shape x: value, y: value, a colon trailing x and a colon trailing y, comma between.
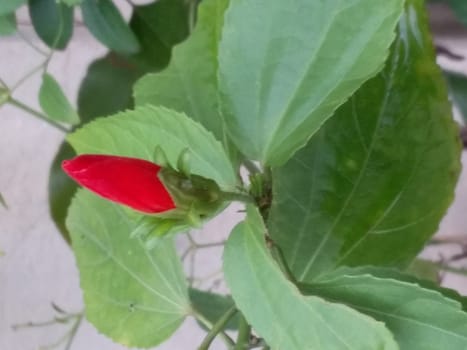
x: 135, y: 296
x: 419, y: 318
x: 284, y: 72
x: 278, y: 312
x: 9, y: 6
x: 189, y: 83
x: 137, y: 134
x: 374, y: 182
x: 52, y: 21
x: 106, y: 23
x: 54, y: 102
x: 7, y: 24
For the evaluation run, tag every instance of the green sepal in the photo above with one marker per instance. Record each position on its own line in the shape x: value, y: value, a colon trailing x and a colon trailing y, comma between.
x: 160, y: 157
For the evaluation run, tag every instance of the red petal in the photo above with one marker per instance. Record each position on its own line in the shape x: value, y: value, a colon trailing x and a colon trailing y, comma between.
x: 129, y: 181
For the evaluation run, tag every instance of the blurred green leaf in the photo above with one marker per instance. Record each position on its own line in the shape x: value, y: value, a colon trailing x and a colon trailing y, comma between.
x: 134, y: 296
x: 71, y: 2
x: 189, y: 83
x: 457, y: 84
x: 213, y: 306
x: 54, y: 102
x: 423, y: 269
x: 460, y: 9
x: 52, y: 21
x: 419, y: 318
x: 373, y: 184
x: 9, y: 6
x: 106, y: 23
x: 7, y: 24
x: 283, y: 70
x: 278, y: 312
x: 137, y: 133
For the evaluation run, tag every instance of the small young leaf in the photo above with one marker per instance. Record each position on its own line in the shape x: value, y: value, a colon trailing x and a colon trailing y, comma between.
x: 134, y: 296
x: 9, y: 6
x: 54, y: 102
x: 107, y: 25
x: 284, y: 72
x: 7, y: 24
x: 137, y: 133
x: 52, y: 21
x: 278, y: 312
x: 419, y: 318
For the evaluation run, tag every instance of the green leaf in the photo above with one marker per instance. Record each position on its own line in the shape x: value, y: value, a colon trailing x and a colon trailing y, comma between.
x: 460, y: 9
x: 137, y: 134
x: 61, y: 190
x: 156, y: 36
x: 52, y: 21
x: 189, y: 84
x: 103, y: 75
x: 419, y: 318
x: 424, y: 269
x: 9, y: 6
x: 457, y: 84
x: 276, y: 309
x: 71, y: 2
x: 284, y: 72
x: 373, y: 184
x: 54, y: 102
x: 134, y: 296
x: 7, y: 24
x: 213, y: 306
x: 108, y: 26
x: 168, y: 18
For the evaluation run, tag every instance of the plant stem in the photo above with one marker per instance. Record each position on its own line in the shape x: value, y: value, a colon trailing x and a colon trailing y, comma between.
x: 73, y: 332
x: 36, y: 114
x: 238, y: 197
x: 244, y: 331
x: 216, y: 328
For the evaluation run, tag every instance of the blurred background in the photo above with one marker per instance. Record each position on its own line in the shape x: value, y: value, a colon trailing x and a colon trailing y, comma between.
x: 37, y: 267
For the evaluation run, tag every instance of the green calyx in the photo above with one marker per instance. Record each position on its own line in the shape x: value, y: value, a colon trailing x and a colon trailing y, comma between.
x: 195, y: 197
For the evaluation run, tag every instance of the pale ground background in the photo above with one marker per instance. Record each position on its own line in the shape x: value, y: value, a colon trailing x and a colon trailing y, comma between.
x: 38, y: 267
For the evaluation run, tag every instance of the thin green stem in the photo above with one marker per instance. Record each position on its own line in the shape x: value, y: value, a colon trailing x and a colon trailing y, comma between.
x: 34, y: 47
x: 244, y: 332
x: 237, y: 197
x: 217, y: 328
x: 73, y: 332
x: 36, y: 114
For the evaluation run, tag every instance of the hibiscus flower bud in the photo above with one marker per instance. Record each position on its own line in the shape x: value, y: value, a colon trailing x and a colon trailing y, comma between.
x: 129, y: 181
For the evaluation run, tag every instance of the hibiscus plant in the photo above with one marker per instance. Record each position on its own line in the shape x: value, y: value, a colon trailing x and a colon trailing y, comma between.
x: 328, y: 121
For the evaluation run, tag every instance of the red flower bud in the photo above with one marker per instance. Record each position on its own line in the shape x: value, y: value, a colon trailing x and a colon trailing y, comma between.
x: 129, y: 181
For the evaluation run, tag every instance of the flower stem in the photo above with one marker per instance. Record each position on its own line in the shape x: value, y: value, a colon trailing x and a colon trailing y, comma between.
x: 237, y: 197
x: 216, y: 328
x: 244, y: 331
x: 36, y: 114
